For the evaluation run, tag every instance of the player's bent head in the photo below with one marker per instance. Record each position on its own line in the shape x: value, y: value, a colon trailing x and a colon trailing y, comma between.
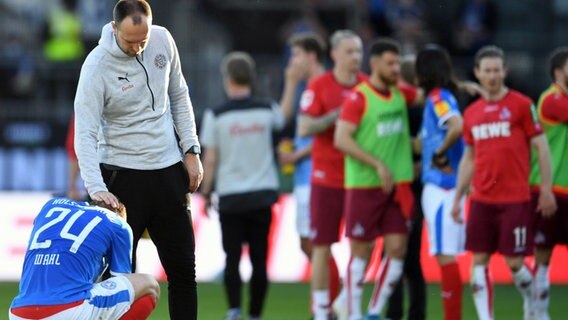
x: 239, y: 67
x: 489, y: 51
x: 133, y: 8
x: 434, y: 68
x: 120, y: 210
x: 310, y: 42
x: 557, y: 61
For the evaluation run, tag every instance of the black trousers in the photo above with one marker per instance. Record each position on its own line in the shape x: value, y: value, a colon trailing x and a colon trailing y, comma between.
x: 156, y: 200
x: 412, y: 272
x: 238, y: 228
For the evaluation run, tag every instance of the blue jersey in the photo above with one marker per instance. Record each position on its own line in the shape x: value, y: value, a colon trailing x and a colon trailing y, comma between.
x: 303, y: 168
x: 440, y: 106
x: 70, y: 246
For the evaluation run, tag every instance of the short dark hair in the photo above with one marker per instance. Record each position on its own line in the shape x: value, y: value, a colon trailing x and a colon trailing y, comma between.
x: 239, y: 67
x: 310, y: 42
x: 380, y: 46
x: 134, y: 8
x: 434, y: 69
x: 557, y: 60
x: 489, y: 51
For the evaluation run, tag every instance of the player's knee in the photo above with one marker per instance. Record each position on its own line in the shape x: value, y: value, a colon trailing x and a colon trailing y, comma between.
x: 395, y: 248
x: 306, y: 246
x: 480, y: 259
x: 515, y: 263
x: 445, y: 259
x: 361, y: 249
x: 397, y: 251
x: 152, y: 286
x: 144, y: 284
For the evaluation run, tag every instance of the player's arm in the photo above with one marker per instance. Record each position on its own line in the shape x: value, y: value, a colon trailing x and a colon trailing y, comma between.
x: 554, y: 109
x: 293, y: 157
x: 546, y: 201
x: 209, y: 168
x: 293, y: 76
x: 120, y: 256
x: 417, y: 145
x: 309, y: 125
x: 465, y: 173
x: 344, y: 141
x: 455, y: 127
x: 472, y: 88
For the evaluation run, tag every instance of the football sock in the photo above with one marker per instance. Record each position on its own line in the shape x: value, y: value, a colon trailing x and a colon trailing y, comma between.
x: 389, y: 273
x: 140, y: 309
x: 320, y: 305
x: 354, y: 285
x: 333, y: 280
x: 452, y: 291
x: 482, y: 292
x: 542, y: 288
x: 524, y: 282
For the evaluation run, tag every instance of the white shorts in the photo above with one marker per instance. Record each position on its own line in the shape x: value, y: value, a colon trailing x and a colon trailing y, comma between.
x: 302, y: 197
x: 446, y: 237
x: 110, y: 299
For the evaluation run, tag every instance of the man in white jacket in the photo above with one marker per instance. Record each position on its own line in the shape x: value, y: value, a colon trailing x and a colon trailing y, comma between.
x: 136, y: 140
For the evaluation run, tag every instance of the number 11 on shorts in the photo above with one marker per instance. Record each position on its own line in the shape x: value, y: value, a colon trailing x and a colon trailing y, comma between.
x: 520, y: 236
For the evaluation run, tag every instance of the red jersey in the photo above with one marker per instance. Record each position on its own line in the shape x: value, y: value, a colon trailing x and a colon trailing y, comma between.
x: 500, y: 133
x: 555, y: 106
x: 323, y: 95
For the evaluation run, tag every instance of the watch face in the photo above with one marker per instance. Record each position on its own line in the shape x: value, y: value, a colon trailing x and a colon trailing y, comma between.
x: 195, y: 150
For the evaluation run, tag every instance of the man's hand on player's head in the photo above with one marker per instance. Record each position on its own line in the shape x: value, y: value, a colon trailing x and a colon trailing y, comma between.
x: 107, y: 198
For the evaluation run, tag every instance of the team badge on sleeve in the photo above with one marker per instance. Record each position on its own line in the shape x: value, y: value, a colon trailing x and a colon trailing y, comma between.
x: 109, y: 284
x: 441, y: 108
x: 307, y: 99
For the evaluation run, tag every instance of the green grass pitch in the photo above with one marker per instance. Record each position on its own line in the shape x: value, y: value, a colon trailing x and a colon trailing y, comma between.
x: 289, y: 301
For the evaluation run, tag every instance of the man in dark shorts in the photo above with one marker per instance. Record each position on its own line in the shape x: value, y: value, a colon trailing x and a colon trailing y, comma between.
x: 373, y: 132
x: 499, y: 131
x: 551, y: 230
x: 320, y: 105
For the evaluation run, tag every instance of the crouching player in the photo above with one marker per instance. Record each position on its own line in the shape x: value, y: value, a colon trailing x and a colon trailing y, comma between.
x: 70, y: 246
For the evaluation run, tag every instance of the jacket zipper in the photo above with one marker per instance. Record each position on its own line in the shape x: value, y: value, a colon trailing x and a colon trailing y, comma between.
x: 147, y: 82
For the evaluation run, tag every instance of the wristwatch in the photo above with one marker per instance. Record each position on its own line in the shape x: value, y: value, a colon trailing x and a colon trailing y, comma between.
x: 194, y: 149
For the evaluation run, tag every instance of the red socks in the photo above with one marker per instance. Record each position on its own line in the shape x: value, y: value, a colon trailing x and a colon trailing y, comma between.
x: 452, y: 291
x: 333, y: 280
x: 140, y: 309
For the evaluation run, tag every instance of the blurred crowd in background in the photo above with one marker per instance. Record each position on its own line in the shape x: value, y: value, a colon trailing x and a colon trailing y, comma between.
x: 44, y: 42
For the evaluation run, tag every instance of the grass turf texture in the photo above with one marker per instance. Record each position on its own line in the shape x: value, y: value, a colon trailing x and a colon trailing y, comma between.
x: 289, y: 301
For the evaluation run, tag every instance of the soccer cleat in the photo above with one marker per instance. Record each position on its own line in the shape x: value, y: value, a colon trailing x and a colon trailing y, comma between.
x: 233, y: 315
x: 339, y: 307
x: 372, y: 317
